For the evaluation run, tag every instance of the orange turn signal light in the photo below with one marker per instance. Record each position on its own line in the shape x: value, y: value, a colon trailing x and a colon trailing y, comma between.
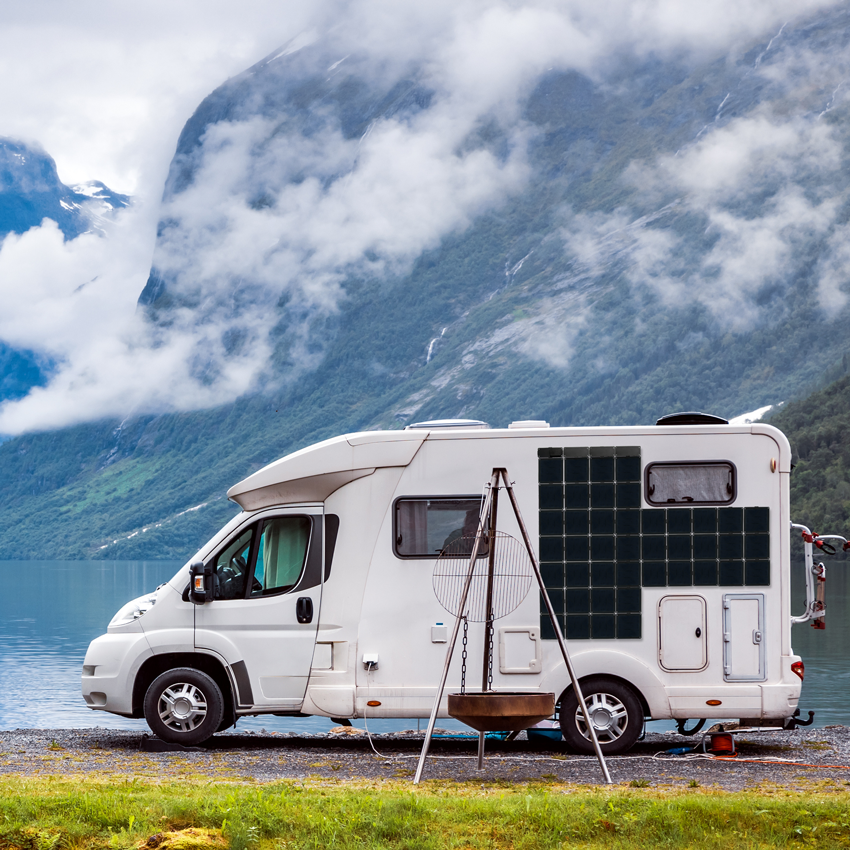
x: 373, y: 702
x: 713, y: 702
x: 199, y: 582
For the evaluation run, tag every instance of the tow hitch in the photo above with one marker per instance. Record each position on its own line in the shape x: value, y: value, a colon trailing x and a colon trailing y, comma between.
x: 795, y: 721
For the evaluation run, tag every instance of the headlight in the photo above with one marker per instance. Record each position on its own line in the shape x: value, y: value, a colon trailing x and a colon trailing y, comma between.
x: 135, y: 609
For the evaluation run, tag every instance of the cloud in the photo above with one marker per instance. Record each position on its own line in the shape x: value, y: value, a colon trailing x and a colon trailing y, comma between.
x: 78, y: 307
x: 729, y: 221
x: 105, y: 87
x: 754, y: 254
x: 279, y: 217
x: 833, y: 272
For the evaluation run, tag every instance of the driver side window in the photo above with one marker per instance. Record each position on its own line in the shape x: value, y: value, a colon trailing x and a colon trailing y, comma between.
x: 268, y: 557
x: 231, y: 567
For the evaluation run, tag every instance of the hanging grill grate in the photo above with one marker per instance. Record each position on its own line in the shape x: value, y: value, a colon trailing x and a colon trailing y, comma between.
x: 513, y: 573
x: 483, y: 589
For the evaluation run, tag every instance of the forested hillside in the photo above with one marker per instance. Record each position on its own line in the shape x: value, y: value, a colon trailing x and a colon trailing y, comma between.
x: 818, y: 428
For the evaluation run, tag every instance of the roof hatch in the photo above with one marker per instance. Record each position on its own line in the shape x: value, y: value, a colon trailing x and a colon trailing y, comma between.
x: 691, y: 417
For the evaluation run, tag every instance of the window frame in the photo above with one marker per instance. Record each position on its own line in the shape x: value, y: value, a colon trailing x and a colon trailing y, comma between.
x: 713, y: 462
x: 256, y: 531
x: 256, y: 550
x: 476, y: 497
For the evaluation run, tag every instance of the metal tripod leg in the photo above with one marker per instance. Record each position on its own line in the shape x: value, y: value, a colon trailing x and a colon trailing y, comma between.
x: 556, y: 626
x: 453, y: 641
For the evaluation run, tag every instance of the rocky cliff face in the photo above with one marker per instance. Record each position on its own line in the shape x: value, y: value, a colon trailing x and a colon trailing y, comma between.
x: 30, y: 192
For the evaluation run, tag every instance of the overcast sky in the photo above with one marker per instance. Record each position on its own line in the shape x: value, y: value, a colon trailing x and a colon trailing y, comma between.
x: 106, y: 86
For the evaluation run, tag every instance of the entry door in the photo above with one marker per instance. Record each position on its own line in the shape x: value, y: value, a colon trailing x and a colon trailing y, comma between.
x: 681, y: 628
x: 743, y: 637
x: 264, y: 614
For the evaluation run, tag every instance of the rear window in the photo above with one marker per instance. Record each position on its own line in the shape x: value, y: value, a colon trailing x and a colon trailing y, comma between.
x: 691, y: 483
x: 427, y: 527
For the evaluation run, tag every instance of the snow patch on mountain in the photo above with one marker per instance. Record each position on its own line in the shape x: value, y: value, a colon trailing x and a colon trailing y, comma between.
x: 754, y: 415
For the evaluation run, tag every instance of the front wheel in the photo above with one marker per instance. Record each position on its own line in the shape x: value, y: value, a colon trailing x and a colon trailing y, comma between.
x: 184, y: 706
x: 614, y: 710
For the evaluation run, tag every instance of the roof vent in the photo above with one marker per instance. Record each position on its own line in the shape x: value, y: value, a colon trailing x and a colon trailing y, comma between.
x: 448, y: 423
x: 691, y: 417
x: 529, y: 423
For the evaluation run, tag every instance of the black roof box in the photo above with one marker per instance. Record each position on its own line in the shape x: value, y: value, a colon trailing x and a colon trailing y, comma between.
x: 691, y: 417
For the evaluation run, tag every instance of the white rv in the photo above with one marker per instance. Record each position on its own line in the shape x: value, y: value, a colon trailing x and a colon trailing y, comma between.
x: 664, y: 549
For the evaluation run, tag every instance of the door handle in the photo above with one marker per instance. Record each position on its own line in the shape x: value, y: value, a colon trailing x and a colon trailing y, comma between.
x: 304, y: 609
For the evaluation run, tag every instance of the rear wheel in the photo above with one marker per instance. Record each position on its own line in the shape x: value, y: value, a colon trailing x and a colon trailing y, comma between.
x: 184, y: 706
x: 615, y: 712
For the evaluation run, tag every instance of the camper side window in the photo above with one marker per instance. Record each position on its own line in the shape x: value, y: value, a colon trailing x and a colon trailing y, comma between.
x: 427, y: 527
x: 697, y: 483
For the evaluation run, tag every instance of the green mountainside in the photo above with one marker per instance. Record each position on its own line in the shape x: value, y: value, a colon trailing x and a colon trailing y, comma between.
x: 611, y: 289
x: 818, y: 428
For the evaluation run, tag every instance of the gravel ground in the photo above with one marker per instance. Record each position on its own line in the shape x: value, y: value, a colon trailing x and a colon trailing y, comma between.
x: 789, y: 759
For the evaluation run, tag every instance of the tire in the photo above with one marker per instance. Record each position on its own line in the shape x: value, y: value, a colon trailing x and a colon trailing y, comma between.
x: 184, y: 706
x: 615, y: 711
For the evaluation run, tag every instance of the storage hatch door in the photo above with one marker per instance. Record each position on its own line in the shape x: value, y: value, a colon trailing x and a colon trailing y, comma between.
x: 682, y: 641
x: 743, y: 637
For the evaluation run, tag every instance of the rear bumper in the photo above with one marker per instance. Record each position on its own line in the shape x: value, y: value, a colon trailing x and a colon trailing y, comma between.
x: 772, y: 701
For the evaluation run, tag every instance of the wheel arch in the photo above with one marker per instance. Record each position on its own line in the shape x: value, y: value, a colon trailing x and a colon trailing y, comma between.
x: 627, y: 669
x: 625, y: 682
x: 209, y: 664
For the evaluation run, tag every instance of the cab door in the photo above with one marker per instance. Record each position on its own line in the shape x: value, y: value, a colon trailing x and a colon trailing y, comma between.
x: 264, y: 612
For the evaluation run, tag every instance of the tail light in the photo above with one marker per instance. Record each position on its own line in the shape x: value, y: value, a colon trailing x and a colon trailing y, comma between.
x: 799, y: 668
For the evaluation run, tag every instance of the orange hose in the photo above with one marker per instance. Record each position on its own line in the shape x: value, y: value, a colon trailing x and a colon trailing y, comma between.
x: 794, y: 763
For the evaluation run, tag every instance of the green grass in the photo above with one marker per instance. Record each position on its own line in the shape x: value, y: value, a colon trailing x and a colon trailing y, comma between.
x: 49, y: 813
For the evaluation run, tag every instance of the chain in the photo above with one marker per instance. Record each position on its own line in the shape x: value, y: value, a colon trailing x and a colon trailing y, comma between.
x: 490, y: 658
x: 463, y: 656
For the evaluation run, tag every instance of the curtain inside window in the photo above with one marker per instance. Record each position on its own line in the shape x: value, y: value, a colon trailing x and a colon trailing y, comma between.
x: 693, y: 483
x: 284, y: 547
x: 412, y: 527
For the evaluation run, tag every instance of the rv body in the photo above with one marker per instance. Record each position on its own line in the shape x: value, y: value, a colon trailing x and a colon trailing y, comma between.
x: 679, y: 596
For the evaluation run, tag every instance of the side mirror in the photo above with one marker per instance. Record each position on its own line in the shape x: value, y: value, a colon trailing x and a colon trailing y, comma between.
x: 200, y: 582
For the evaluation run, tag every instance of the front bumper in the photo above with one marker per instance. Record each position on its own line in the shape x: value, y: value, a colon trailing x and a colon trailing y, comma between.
x: 109, y: 671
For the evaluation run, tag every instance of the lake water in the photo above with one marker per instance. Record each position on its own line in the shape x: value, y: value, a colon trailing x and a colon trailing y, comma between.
x: 51, y: 610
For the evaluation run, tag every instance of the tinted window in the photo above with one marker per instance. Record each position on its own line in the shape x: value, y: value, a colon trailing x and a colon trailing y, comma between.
x: 424, y: 528
x: 281, y: 553
x: 690, y: 483
x: 231, y: 567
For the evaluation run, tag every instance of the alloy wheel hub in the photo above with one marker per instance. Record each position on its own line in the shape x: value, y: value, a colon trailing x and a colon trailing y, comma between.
x: 182, y: 707
x: 608, y: 715
x: 601, y: 718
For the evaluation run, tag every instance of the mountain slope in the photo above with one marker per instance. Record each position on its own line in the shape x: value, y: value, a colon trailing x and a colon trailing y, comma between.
x: 665, y: 236
x: 30, y: 192
x: 818, y: 427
